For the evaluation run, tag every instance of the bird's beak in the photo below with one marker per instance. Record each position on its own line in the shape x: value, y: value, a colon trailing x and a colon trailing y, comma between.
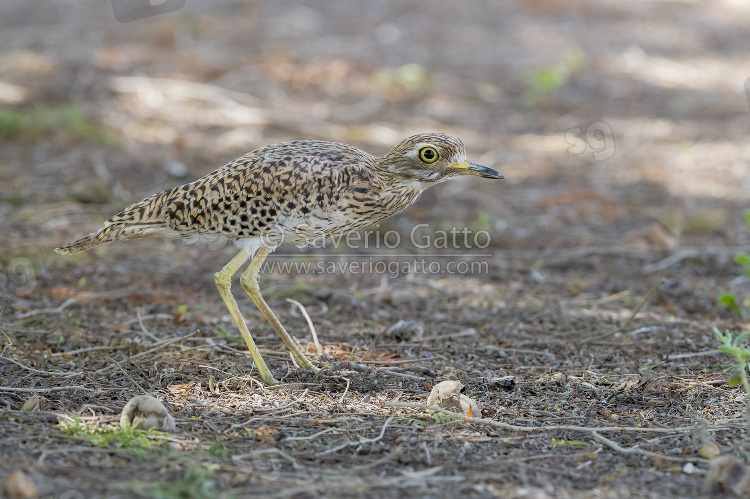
x: 469, y: 168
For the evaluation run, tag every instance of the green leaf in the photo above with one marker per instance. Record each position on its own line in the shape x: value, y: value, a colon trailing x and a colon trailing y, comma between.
x: 722, y: 337
x: 747, y: 218
x: 742, y: 258
x: 728, y: 349
x: 734, y: 381
x: 727, y: 299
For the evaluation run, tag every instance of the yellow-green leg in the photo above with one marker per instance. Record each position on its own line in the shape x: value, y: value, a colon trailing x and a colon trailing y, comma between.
x: 249, y: 281
x: 223, y: 280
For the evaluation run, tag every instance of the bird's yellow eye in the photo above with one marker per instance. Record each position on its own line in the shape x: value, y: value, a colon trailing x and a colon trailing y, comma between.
x: 428, y: 155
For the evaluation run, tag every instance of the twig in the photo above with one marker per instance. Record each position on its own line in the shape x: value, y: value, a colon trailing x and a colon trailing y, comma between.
x: 169, y: 317
x: 645, y: 329
x: 318, y: 346
x: 127, y: 374
x: 90, y: 349
x: 599, y: 301
x: 143, y: 328
x: 47, y: 373
x: 496, y: 348
x: 361, y: 440
x: 83, y: 296
x: 45, y: 390
x: 348, y: 364
x: 150, y: 350
x: 635, y: 450
x: 465, y: 332
x: 271, y: 450
x: 671, y: 260
x: 402, y: 361
x: 348, y: 382
x: 632, y: 316
x: 530, y: 429
x: 691, y: 355
x: 314, y: 435
x: 32, y: 416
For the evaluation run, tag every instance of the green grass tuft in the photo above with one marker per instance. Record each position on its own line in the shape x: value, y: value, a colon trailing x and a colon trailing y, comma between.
x: 43, y: 122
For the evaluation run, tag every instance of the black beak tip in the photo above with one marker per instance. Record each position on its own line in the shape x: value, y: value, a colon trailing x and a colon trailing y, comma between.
x: 485, y: 172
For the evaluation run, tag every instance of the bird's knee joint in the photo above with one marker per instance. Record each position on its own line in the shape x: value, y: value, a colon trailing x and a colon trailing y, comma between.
x: 222, y: 280
x: 250, y: 283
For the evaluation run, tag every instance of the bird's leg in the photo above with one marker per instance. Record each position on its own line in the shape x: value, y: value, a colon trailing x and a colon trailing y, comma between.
x: 223, y: 280
x: 249, y: 281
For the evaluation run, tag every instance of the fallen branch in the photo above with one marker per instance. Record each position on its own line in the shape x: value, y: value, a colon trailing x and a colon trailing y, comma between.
x: 45, y: 390
x: 531, y: 429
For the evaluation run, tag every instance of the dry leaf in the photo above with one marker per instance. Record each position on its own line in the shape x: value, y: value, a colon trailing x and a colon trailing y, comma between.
x: 32, y: 404
x: 146, y: 412
x: 446, y: 396
x: 264, y: 434
x: 443, y: 390
x: 628, y: 384
x: 662, y: 238
x: 181, y: 389
x: 469, y: 407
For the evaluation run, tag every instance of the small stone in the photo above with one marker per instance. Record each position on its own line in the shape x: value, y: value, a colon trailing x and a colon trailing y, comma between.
x: 507, y: 383
x: 19, y: 486
x: 688, y: 469
x: 560, y: 378
x: 146, y: 412
x: 709, y: 451
x: 405, y: 331
x: 176, y: 169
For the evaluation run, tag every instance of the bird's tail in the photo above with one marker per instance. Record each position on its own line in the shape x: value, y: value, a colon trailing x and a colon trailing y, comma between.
x: 107, y: 234
x: 142, y: 219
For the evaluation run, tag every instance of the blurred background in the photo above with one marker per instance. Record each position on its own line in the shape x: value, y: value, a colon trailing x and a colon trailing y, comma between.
x: 619, y: 127
x: 622, y: 130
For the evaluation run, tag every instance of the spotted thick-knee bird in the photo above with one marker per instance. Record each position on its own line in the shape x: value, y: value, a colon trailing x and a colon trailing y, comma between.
x: 299, y: 192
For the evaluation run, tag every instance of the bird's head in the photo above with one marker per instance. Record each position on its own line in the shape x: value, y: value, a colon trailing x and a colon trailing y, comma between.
x: 430, y: 158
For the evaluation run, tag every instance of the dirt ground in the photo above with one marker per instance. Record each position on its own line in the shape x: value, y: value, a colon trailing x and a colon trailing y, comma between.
x: 621, y: 128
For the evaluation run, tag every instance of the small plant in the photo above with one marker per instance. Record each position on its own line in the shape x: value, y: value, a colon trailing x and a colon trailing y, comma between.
x: 42, y: 122
x: 231, y: 338
x: 731, y: 300
x: 566, y: 442
x: 733, y: 346
x: 218, y: 450
x: 544, y: 83
x: 137, y: 442
x: 442, y: 418
x: 409, y: 421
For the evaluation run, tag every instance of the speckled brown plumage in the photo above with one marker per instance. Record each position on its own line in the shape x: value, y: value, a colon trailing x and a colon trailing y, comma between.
x: 295, y: 191
x: 299, y: 192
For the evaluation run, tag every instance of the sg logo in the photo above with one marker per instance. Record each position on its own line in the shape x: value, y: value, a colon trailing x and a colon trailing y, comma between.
x: 597, y: 136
